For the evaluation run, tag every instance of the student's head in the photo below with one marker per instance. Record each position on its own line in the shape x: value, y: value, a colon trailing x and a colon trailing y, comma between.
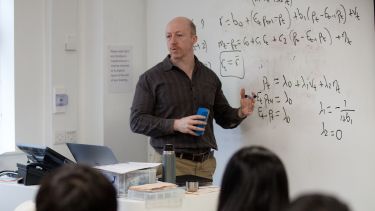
x: 181, y: 37
x: 254, y: 179
x: 317, y: 202
x: 76, y: 188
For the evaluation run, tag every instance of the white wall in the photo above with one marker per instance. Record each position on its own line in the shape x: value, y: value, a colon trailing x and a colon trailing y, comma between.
x: 124, y: 24
x: 41, y: 63
x: 30, y: 80
x: 104, y: 116
x: 6, y: 76
x: 30, y: 70
x: 91, y: 74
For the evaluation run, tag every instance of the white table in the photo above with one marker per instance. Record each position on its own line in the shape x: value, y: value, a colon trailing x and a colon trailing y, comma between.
x: 12, y: 194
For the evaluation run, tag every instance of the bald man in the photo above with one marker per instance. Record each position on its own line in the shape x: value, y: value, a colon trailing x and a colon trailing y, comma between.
x: 168, y: 96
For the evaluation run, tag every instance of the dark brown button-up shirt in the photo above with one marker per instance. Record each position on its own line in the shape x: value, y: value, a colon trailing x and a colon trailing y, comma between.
x: 165, y: 93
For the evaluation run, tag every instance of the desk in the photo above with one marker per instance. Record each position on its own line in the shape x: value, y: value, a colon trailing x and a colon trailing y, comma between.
x: 12, y: 194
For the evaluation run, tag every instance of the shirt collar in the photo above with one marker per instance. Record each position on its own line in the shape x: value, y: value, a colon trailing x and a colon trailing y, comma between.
x: 169, y: 66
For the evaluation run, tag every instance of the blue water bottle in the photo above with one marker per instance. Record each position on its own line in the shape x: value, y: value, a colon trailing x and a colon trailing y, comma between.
x: 204, y: 112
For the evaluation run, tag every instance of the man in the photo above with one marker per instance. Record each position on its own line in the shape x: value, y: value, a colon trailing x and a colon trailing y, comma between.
x: 168, y: 95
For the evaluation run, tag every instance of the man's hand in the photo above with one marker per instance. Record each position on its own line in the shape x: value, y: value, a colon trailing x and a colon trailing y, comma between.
x: 247, y: 104
x: 188, y: 124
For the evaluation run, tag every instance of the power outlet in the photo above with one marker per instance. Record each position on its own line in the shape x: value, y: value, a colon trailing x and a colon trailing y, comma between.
x: 65, y: 136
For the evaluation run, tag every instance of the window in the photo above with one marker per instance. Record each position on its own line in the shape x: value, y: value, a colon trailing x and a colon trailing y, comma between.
x: 7, y: 124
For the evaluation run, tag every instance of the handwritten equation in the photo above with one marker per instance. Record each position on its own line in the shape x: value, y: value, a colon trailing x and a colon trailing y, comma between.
x: 230, y: 39
x: 294, y: 26
x: 286, y: 18
x: 232, y: 64
x: 271, y: 107
x: 283, y: 26
x: 345, y: 116
x: 323, y: 36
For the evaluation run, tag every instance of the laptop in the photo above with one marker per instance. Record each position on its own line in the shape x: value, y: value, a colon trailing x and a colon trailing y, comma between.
x: 92, y: 155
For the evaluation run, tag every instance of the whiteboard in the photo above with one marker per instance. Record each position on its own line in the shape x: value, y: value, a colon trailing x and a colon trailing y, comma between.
x: 311, y: 64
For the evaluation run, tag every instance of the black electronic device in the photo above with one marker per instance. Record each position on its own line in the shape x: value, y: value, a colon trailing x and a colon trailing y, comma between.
x: 41, y: 161
x: 31, y: 174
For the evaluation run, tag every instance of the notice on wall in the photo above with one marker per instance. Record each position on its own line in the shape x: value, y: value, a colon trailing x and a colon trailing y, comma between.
x: 120, y: 69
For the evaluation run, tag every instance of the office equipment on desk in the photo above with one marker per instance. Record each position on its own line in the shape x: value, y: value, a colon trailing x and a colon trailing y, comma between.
x: 121, y: 175
x: 92, y: 155
x: 41, y: 161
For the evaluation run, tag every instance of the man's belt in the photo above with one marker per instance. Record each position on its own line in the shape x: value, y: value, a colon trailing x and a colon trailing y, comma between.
x: 198, y: 157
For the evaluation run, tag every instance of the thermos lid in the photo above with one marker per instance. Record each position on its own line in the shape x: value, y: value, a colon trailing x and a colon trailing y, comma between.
x: 168, y: 147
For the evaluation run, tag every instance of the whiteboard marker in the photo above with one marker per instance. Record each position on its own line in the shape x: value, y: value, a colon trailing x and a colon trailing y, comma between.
x: 251, y: 97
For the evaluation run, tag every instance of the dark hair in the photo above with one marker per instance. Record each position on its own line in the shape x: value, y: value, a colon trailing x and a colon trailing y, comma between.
x: 76, y: 188
x: 255, y: 179
x: 317, y: 202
